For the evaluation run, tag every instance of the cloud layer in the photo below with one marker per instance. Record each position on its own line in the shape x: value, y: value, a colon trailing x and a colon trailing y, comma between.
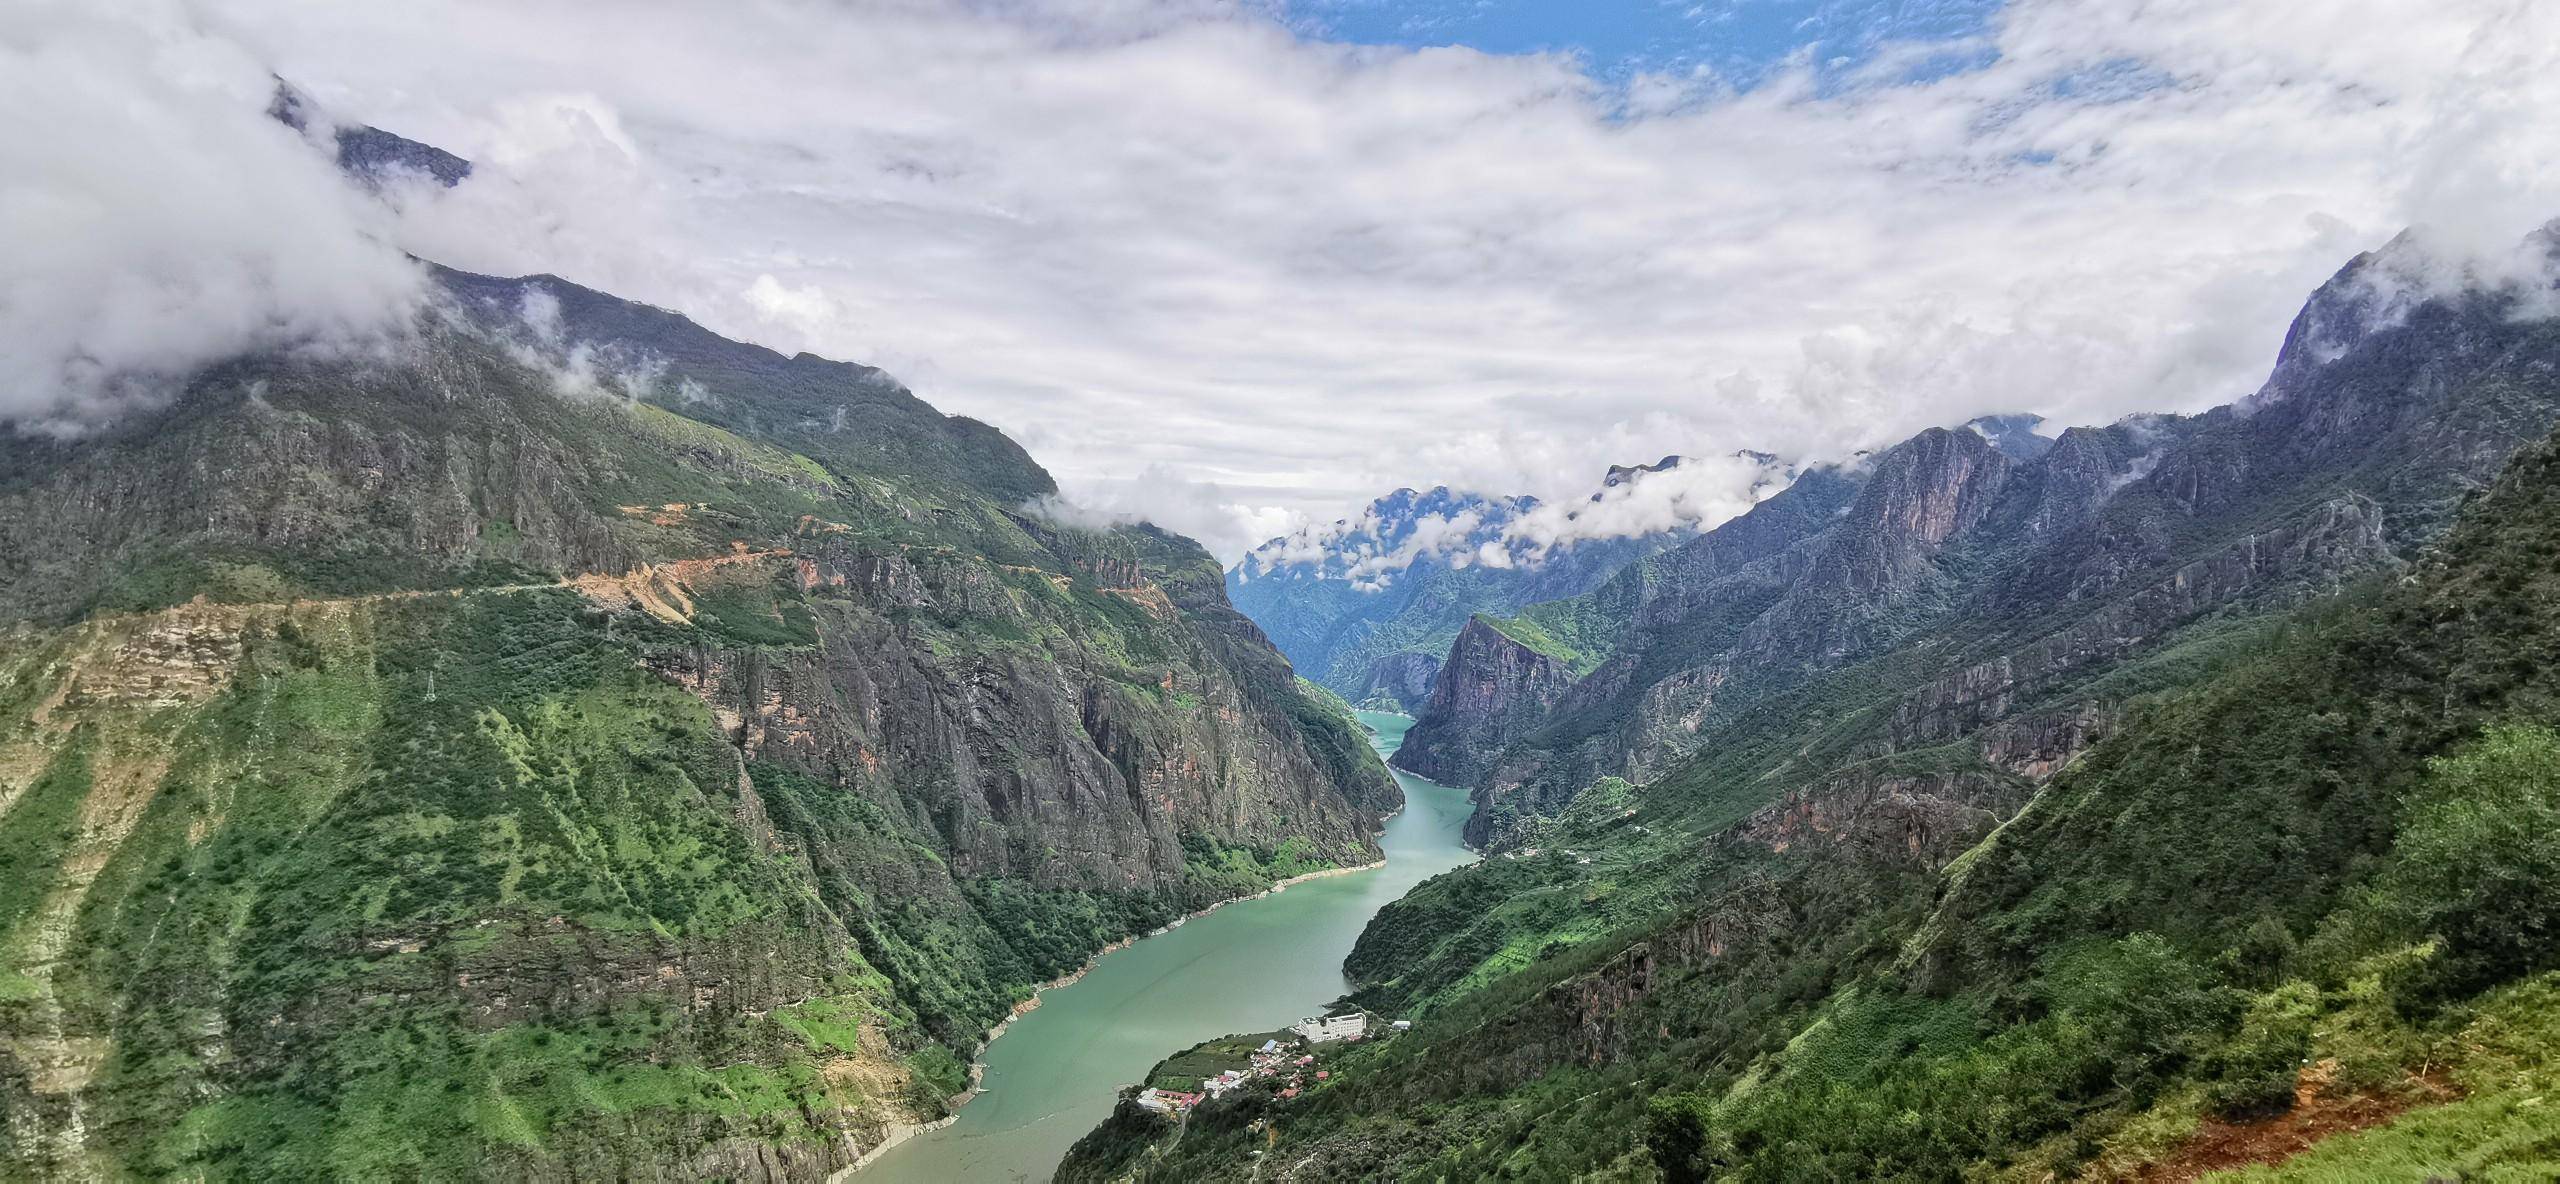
x: 153, y: 219
x: 1216, y: 272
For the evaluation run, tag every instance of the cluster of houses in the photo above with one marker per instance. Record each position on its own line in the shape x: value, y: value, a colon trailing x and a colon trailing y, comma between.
x: 1167, y: 1101
x: 1274, y: 1060
x: 1326, y: 1029
x: 1534, y: 852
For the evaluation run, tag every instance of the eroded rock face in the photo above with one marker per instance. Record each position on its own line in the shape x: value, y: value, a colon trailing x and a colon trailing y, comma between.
x: 1925, y: 491
x: 1010, y: 756
x: 1966, y: 584
x: 1887, y: 816
x: 2303, y: 557
x: 1405, y: 678
x: 1489, y: 685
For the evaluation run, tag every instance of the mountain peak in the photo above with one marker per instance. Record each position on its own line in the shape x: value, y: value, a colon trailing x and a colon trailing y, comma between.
x: 369, y: 154
x: 2014, y: 434
x: 1621, y: 474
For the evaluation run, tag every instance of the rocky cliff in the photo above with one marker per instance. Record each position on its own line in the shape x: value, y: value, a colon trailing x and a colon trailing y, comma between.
x: 1491, y: 681
x: 569, y: 744
x: 1967, y: 577
x: 1402, y: 681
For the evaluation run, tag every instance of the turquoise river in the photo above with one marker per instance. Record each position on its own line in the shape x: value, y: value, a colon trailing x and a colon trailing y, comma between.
x: 1251, y: 966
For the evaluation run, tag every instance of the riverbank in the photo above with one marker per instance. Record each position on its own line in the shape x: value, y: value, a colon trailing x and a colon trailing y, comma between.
x: 1276, y: 886
x: 899, y: 1132
x: 978, y: 1063
x: 1253, y: 963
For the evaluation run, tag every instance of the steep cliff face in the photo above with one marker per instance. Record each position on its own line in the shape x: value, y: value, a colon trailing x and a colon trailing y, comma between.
x: 456, y: 762
x: 1491, y: 681
x: 1889, y: 816
x: 1403, y: 681
x: 1967, y: 580
x: 1924, y: 491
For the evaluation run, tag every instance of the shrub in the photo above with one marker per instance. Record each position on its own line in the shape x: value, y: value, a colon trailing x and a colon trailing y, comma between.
x: 2477, y: 866
x: 2254, y: 1075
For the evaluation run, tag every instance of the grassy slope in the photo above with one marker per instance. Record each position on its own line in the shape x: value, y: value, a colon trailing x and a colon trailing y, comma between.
x: 402, y: 883
x: 2318, y: 857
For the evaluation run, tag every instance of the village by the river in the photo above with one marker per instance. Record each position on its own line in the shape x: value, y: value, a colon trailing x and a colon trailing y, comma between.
x: 1284, y: 1062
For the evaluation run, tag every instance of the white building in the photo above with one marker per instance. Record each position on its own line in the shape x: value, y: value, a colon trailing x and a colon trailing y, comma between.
x: 1337, y: 1027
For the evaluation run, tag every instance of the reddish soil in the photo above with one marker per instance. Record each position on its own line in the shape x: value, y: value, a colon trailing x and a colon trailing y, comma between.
x: 2221, y: 1146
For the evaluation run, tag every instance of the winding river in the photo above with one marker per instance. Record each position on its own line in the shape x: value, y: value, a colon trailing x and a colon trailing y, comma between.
x: 1252, y: 966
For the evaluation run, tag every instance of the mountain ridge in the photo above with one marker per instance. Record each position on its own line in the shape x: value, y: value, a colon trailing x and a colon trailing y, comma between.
x: 1897, y: 841
x: 565, y: 742
x: 1368, y: 606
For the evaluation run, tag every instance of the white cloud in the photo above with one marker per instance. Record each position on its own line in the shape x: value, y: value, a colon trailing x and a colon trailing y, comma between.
x: 1225, y: 521
x: 805, y: 311
x: 1175, y: 248
x: 153, y: 219
x: 1700, y: 493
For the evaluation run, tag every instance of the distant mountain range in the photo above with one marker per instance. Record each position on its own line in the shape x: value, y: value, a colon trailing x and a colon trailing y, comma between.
x: 1368, y: 605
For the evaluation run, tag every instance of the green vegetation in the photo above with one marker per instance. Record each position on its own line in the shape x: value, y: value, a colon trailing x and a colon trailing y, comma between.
x: 414, y: 858
x: 2500, y: 1128
x: 1326, y: 698
x: 1217, y: 873
x: 1186, y: 1070
x: 1578, y: 632
x: 2316, y: 862
x: 36, y: 830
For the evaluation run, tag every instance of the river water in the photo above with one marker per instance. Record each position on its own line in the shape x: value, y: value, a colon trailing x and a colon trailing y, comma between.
x: 1252, y: 966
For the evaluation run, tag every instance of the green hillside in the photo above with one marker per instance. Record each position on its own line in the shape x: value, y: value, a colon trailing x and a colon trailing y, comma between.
x: 424, y: 769
x: 2301, y: 895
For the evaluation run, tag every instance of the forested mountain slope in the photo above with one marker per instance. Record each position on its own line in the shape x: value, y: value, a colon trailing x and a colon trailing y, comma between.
x: 1949, y: 589
x: 1882, y: 923
x: 565, y: 743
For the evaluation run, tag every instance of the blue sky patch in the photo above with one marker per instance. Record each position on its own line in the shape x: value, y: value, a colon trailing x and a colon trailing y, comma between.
x: 1741, y: 40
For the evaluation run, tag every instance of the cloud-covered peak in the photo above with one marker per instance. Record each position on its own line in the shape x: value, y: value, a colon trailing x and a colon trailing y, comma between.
x: 1448, y: 528
x: 1622, y: 474
x: 369, y: 154
x: 2382, y: 287
x: 2019, y: 435
x: 154, y: 219
x: 1438, y: 525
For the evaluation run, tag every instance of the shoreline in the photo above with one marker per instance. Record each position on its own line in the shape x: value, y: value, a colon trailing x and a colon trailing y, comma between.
x: 978, y: 1065
x: 900, y: 1133
x: 977, y: 1060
